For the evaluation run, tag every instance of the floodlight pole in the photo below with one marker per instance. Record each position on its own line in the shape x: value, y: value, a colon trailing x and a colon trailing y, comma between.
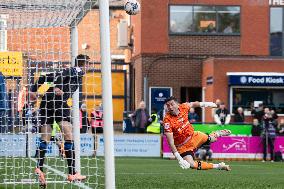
x: 75, y: 103
x: 107, y: 94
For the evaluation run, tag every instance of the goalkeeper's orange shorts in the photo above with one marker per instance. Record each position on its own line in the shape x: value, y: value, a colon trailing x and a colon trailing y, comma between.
x: 196, y: 140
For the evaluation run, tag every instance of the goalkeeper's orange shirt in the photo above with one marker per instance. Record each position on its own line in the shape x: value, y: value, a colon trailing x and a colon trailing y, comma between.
x: 179, y: 125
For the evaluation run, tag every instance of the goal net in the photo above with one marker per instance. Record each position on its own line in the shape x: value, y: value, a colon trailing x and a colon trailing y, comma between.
x: 39, y: 38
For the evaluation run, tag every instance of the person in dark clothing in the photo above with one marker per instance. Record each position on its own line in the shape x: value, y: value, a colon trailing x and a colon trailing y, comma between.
x: 140, y: 118
x: 239, y: 116
x: 258, y: 113
x: 192, y: 116
x: 222, y: 116
x: 54, y: 107
x: 256, y: 128
x: 274, y: 114
x: 85, y: 124
x: 268, y: 135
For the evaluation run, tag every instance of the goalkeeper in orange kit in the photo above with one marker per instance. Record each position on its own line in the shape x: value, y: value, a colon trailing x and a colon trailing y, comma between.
x: 182, y: 138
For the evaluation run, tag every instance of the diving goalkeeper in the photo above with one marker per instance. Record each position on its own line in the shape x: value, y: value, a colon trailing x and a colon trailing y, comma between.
x: 182, y: 138
x: 54, y: 107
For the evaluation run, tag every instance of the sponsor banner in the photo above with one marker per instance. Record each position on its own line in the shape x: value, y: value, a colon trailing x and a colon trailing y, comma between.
x: 87, y: 144
x: 252, y: 80
x: 167, y: 153
x: 12, y: 145
x: 235, y: 147
x: 135, y: 145
x: 15, y: 145
x: 239, y: 155
x: 11, y: 63
x: 243, y: 147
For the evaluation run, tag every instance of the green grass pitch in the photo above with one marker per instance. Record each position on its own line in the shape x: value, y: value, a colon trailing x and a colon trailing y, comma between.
x: 153, y: 173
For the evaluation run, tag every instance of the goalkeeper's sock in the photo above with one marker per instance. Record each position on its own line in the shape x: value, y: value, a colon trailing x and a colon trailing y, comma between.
x: 70, y: 156
x: 41, y: 153
x: 201, y: 165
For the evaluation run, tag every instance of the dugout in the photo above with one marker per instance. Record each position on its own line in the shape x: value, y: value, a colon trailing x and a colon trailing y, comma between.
x: 244, y: 82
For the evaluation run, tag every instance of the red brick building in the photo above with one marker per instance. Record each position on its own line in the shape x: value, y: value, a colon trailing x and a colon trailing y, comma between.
x: 50, y: 47
x: 197, y: 47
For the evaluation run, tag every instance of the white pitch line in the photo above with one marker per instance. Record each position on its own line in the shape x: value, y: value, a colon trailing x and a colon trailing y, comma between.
x: 81, y: 185
x: 150, y: 173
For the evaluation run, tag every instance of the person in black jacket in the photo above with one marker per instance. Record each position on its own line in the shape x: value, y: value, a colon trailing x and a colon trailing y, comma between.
x: 140, y: 118
x: 256, y: 128
x: 258, y: 113
x: 239, y: 116
x: 54, y: 107
x: 222, y: 116
x: 268, y: 135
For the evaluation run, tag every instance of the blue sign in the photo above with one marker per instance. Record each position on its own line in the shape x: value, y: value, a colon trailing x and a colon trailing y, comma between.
x: 158, y: 95
x: 249, y: 80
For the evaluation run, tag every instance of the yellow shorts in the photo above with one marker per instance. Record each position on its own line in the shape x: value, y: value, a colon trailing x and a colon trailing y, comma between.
x: 197, y: 139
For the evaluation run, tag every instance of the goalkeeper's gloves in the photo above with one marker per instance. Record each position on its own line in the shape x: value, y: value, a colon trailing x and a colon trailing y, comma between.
x: 208, y: 104
x: 182, y: 163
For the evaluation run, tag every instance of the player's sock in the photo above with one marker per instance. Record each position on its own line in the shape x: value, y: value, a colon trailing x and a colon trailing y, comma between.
x: 70, y: 156
x: 201, y: 165
x: 41, y: 153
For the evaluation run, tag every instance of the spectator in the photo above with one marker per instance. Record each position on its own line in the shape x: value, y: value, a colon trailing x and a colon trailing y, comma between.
x: 192, y: 116
x: 85, y: 124
x: 97, y: 122
x: 256, y: 128
x: 239, y: 115
x: 140, y: 118
x: 274, y: 114
x: 280, y: 127
x: 258, y: 113
x: 154, y: 124
x: 210, y: 28
x: 268, y: 135
x: 229, y: 28
x: 222, y: 116
x: 217, y: 102
x: 266, y: 111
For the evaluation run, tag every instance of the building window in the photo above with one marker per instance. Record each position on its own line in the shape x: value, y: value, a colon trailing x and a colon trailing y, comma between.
x: 181, y: 19
x: 270, y: 97
x: 206, y: 20
x: 276, y: 31
x: 3, y: 33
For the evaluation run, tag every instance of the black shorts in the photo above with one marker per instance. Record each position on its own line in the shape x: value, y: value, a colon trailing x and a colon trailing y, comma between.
x: 187, y: 153
x: 51, y: 111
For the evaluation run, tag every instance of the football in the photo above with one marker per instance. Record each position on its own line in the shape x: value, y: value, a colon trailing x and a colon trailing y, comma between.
x: 131, y: 7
